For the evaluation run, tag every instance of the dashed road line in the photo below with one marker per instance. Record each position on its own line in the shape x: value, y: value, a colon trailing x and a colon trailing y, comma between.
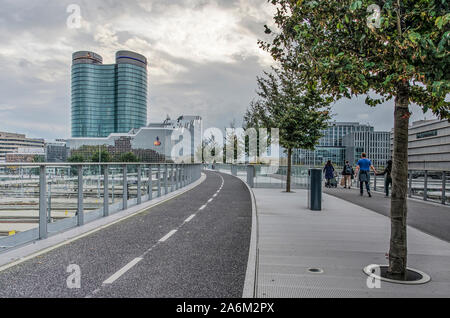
x: 122, y: 271
x: 130, y: 265
x: 167, y: 236
x: 189, y: 218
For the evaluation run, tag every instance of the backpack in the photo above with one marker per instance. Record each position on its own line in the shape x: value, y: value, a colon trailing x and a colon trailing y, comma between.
x: 348, y: 169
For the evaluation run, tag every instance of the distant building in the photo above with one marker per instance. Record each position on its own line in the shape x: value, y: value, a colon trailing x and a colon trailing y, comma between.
x: 56, y: 151
x: 110, y: 98
x: 150, y: 144
x: 429, y: 145
x: 330, y: 146
x: 25, y: 155
x: 11, y: 142
x: 376, y: 144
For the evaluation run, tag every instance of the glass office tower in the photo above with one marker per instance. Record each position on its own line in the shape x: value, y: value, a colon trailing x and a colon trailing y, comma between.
x: 108, y: 98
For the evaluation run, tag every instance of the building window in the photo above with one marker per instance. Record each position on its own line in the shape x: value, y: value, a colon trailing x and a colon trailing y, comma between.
x: 425, y: 134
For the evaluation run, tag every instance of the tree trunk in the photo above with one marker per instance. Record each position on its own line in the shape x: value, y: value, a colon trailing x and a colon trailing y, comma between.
x: 398, y: 243
x: 288, y: 176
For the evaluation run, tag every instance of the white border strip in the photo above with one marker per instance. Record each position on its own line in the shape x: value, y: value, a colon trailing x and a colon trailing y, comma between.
x: 251, y: 273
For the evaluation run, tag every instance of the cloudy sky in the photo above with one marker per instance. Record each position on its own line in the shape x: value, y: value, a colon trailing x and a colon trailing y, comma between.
x: 203, y: 59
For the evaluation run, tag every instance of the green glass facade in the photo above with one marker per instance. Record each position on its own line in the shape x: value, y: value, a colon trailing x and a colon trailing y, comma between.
x: 108, y: 98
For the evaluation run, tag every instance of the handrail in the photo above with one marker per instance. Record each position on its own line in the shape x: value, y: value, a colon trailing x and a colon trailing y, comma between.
x: 70, y: 164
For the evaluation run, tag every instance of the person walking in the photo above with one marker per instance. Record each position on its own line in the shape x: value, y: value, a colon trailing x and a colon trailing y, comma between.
x: 329, y: 173
x: 347, y: 173
x: 387, y: 177
x: 363, y: 167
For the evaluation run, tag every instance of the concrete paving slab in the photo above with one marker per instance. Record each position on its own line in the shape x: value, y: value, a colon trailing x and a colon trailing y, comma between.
x: 341, y: 240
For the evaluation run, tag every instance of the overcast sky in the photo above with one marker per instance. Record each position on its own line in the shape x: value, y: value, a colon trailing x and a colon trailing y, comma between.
x: 203, y: 59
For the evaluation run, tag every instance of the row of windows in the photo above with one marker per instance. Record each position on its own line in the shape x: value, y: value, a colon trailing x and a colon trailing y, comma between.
x: 98, y: 70
x: 96, y: 116
x: 110, y: 91
x: 99, y: 97
x: 120, y: 89
x: 21, y: 141
x: 109, y: 77
x: 88, y: 82
x: 109, y: 108
x: 81, y: 119
x: 82, y: 103
x: 104, y: 108
x: 426, y: 134
x: 107, y: 82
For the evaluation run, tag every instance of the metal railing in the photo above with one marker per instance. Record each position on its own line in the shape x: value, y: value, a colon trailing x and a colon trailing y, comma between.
x: 264, y: 176
x: 433, y: 186
x: 38, y: 200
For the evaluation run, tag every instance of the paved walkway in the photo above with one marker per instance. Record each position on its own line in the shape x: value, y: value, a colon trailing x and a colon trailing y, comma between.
x: 432, y: 218
x: 341, y: 240
x: 195, y: 245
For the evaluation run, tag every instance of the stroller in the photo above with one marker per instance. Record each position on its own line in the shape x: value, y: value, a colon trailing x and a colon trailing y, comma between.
x: 333, y: 182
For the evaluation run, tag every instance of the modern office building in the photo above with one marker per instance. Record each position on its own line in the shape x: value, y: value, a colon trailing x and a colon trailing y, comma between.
x: 56, y: 151
x: 428, y: 145
x: 110, y: 98
x: 330, y: 146
x: 153, y: 143
x: 11, y: 142
x: 26, y: 155
x: 376, y: 144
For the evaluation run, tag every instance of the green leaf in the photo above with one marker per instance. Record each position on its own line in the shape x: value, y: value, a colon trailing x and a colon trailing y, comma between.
x: 414, y: 37
x: 356, y: 5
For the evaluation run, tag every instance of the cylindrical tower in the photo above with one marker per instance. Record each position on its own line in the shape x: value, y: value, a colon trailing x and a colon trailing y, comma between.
x: 131, y: 104
x: 93, y: 96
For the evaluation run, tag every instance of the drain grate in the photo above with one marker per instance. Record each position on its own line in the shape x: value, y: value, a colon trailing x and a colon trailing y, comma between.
x: 315, y: 270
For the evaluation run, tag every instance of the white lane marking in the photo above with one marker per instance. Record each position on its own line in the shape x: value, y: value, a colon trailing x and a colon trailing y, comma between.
x: 167, y: 236
x: 210, y: 200
x: 122, y: 271
x: 189, y: 218
x: 202, y: 207
x: 215, y: 195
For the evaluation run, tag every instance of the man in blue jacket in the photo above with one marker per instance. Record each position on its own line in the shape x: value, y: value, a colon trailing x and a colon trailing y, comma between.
x: 363, y: 167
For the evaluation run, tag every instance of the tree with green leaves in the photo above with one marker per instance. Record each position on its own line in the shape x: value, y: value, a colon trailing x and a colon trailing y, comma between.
x: 75, y: 158
x: 398, y: 50
x: 104, y: 156
x: 129, y: 157
x: 297, y: 110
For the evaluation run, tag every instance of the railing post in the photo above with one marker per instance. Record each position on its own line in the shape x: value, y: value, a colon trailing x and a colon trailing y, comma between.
x: 125, y: 187
x: 425, y: 186
x: 139, y: 184
x: 188, y: 174
x: 250, y: 176
x: 374, y: 182
x: 150, y: 184
x: 444, y: 180
x: 49, y: 200
x: 158, y: 175
x: 106, y: 190
x: 176, y: 177
x: 179, y: 176
x: 165, y: 178
x: 42, y: 202
x: 410, y: 184
x: 80, y: 209
x: 172, y: 185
